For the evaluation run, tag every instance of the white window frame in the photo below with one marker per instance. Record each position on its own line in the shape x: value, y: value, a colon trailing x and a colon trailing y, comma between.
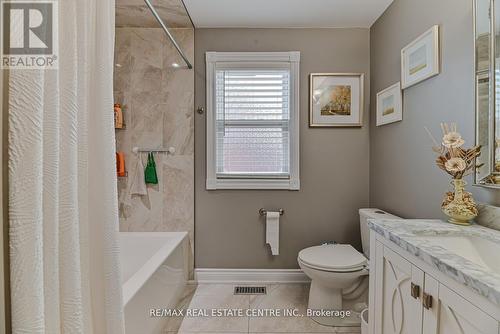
x: 253, y: 60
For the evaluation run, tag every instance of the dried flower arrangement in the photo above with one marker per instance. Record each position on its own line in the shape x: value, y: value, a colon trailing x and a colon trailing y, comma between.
x: 457, y: 162
x: 452, y: 158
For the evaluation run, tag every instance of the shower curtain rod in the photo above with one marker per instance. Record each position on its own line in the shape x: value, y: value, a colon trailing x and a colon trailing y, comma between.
x: 164, y: 27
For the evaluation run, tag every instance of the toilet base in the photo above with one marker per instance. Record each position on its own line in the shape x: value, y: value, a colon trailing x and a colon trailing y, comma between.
x: 324, y: 298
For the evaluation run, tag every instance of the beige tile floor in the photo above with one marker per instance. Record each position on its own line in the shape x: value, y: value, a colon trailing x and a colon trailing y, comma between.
x: 279, y: 296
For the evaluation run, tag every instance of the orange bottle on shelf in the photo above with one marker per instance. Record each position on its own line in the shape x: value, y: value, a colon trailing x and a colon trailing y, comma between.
x: 118, y: 116
x: 120, y: 164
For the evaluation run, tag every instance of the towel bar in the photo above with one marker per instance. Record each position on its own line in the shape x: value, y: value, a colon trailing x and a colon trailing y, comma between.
x: 263, y: 212
x: 170, y: 150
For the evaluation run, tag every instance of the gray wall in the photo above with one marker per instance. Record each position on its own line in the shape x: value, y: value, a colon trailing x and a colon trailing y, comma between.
x: 403, y: 177
x: 334, y: 162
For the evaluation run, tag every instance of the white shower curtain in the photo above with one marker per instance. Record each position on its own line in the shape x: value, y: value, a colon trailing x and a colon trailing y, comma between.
x: 65, y: 275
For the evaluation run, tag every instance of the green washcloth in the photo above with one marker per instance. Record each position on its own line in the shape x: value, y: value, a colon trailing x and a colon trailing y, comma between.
x: 150, y: 175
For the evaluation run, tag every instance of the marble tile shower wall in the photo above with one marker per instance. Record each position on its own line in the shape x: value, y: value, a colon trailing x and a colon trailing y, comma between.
x: 158, y: 107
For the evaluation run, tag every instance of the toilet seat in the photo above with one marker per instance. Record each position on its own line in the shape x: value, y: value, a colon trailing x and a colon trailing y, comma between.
x: 335, y: 258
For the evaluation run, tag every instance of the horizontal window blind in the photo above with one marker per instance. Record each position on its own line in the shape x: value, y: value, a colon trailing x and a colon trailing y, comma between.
x: 252, y: 123
x: 497, y: 99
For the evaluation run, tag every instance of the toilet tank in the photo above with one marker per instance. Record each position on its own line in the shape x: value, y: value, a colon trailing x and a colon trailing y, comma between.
x: 364, y: 215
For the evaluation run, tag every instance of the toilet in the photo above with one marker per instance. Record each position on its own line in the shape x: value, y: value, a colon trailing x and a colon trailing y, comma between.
x: 335, y: 269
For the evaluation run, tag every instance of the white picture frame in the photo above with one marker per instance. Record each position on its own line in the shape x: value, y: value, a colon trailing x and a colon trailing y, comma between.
x: 420, y: 60
x: 390, y: 105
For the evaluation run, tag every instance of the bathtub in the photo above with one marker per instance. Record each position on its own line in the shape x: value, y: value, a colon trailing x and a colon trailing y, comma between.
x: 154, y: 273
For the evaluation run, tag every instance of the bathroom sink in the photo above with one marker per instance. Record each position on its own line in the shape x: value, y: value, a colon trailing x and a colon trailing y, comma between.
x: 478, y: 250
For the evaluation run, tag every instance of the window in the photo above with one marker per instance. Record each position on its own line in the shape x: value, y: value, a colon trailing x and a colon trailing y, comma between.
x: 252, y: 120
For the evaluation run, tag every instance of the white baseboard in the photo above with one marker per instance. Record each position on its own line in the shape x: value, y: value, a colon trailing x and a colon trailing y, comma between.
x: 215, y: 275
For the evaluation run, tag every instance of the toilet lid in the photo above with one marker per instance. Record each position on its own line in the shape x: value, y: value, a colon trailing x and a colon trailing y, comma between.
x: 337, y: 257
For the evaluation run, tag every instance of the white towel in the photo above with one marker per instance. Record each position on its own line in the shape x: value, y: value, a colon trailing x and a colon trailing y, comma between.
x: 138, y: 183
x: 273, y: 231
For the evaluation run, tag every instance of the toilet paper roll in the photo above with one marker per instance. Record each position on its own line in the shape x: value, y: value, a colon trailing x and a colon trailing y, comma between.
x: 273, y: 231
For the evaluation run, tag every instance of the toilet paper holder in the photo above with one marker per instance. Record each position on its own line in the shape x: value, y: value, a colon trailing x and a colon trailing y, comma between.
x: 263, y: 211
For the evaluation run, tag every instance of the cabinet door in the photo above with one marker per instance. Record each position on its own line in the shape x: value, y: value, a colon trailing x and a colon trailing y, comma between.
x: 458, y: 316
x: 396, y: 311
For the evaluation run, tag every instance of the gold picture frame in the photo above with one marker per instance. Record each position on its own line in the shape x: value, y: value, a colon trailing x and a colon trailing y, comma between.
x: 336, y: 100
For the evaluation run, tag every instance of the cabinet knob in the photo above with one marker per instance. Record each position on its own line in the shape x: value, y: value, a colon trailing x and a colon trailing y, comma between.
x: 427, y: 300
x: 415, y: 290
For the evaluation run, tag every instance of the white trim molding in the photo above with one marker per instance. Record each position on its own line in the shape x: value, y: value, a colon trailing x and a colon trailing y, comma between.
x: 288, y: 56
x: 214, y: 275
x: 289, y: 60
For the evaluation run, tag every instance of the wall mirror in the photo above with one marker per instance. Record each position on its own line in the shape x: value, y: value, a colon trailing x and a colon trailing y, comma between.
x: 487, y: 87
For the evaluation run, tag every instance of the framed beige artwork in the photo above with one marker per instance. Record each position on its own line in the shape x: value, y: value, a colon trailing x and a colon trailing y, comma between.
x: 420, y: 58
x: 390, y: 105
x: 336, y: 99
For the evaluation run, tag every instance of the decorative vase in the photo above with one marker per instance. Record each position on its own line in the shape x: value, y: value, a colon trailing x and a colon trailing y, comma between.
x: 459, y: 205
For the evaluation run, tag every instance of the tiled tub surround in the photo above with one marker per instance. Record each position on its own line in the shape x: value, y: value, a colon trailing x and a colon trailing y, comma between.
x: 158, y: 112
x: 410, y: 235
x: 135, y: 13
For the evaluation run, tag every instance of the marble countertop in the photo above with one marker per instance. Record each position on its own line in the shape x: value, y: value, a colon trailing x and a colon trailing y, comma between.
x: 410, y: 235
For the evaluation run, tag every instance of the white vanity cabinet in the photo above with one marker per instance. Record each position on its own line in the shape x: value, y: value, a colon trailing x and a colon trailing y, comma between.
x: 407, y: 296
x: 396, y: 310
x: 454, y: 314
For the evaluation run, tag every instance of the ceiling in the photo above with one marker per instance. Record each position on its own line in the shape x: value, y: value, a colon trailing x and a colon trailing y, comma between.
x: 285, y: 13
x: 135, y: 13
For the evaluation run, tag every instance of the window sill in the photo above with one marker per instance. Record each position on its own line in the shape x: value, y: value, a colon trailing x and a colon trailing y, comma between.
x: 253, y: 184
